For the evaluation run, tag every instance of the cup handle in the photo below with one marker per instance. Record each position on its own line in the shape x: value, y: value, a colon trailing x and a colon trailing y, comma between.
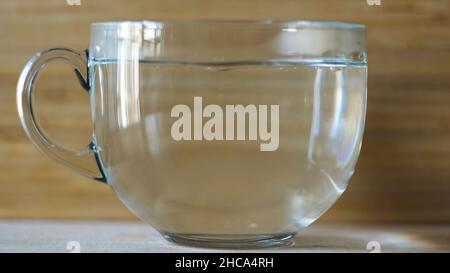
x: 86, y: 160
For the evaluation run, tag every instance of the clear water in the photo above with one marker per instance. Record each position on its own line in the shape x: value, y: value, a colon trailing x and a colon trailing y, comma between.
x: 229, y: 187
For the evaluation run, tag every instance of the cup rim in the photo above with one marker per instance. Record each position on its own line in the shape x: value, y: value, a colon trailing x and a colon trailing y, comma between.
x: 282, y: 23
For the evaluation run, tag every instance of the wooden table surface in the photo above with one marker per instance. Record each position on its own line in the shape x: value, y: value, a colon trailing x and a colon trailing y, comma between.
x: 56, y: 236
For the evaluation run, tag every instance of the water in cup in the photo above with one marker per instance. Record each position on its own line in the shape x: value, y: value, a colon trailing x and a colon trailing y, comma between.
x: 228, y: 188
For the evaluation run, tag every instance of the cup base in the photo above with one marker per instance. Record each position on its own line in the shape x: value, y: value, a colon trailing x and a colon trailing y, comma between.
x: 231, y: 241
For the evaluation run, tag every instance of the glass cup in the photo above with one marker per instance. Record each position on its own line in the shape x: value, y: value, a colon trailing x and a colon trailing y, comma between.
x: 217, y: 133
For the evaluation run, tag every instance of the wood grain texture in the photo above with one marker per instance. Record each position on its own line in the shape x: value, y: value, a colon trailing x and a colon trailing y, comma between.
x: 404, y: 169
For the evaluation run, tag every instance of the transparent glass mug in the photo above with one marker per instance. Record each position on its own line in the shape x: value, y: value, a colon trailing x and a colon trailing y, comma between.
x: 217, y: 133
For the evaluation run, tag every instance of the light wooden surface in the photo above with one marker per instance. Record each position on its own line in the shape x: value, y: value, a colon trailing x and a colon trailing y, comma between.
x: 54, y: 236
x: 404, y: 170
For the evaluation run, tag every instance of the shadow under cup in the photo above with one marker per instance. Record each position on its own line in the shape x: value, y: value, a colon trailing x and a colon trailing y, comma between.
x: 234, y: 134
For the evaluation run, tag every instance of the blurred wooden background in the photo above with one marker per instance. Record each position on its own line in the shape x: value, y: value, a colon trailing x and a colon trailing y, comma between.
x: 404, y: 170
